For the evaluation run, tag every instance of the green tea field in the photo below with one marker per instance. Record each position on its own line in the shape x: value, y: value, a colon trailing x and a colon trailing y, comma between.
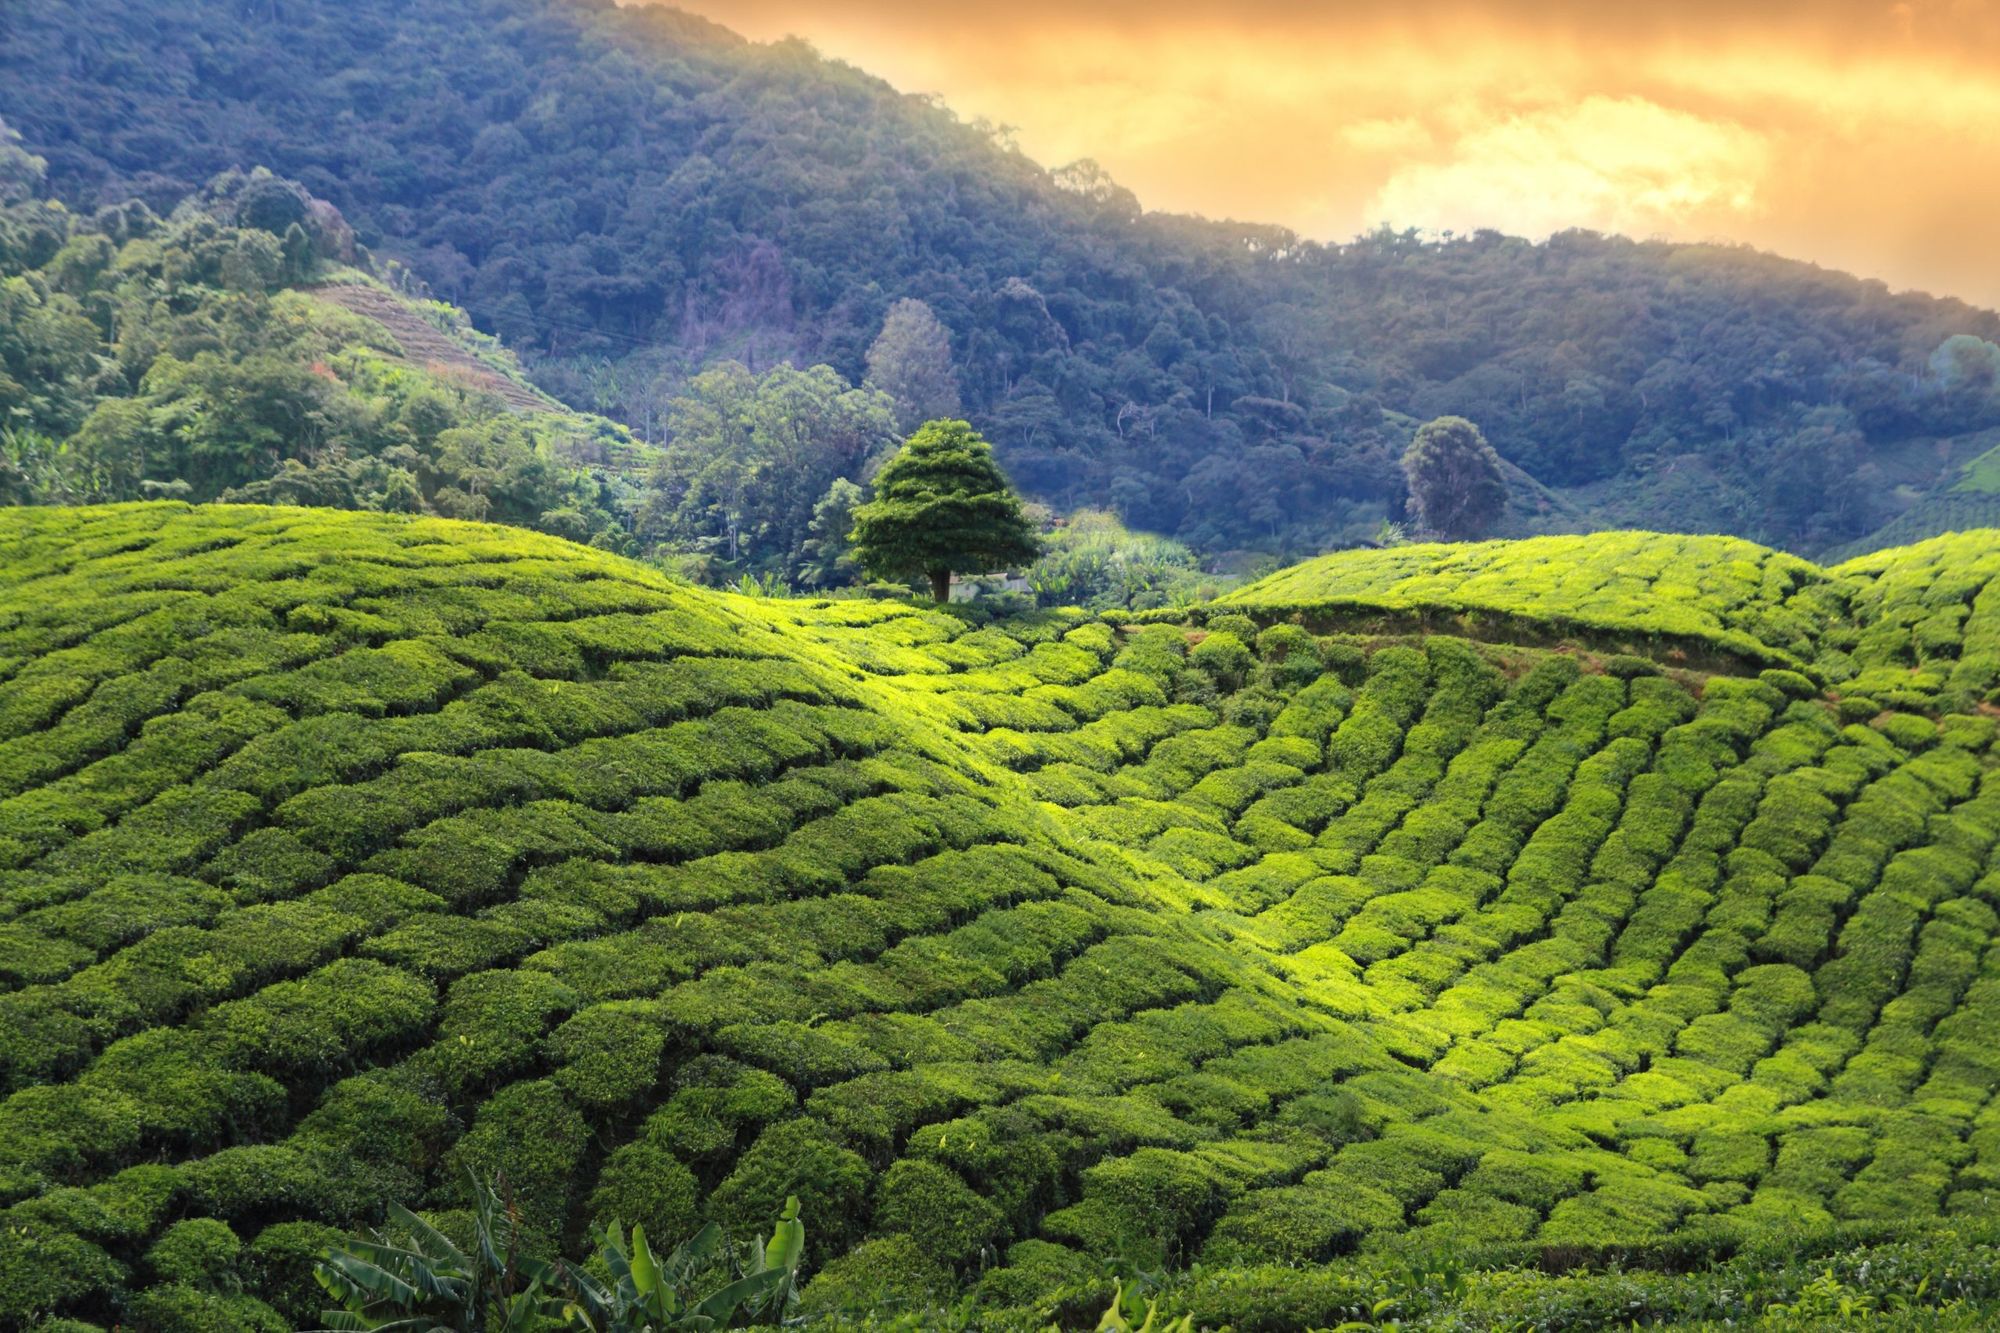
x: 1557, y: 934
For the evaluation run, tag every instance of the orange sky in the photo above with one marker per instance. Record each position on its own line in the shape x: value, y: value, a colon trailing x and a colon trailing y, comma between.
x: 1865, y: 136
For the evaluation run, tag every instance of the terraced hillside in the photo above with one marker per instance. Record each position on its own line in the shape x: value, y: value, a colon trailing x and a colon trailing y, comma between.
x: 350, y: 858
x: 1916, y: 626
x: 1709, y: 595
x: 431, y: 348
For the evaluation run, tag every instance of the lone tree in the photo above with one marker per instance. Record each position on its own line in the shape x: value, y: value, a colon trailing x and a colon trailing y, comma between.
x: 942, y: 504
x: 1454, y: 479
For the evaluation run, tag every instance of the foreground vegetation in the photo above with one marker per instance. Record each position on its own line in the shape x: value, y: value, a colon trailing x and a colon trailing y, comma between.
x: 1277, y: 973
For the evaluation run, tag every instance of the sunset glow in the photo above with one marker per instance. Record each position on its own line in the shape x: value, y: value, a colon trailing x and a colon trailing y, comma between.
x: 1854, y: 135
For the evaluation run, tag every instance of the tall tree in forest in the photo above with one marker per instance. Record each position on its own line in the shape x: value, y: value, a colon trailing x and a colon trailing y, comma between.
x: 942, y: 504
x: 752, y: 455
x: 910, y: 360
x: 829, y: 559
x: 22, y: 173
x: 1456, y: 490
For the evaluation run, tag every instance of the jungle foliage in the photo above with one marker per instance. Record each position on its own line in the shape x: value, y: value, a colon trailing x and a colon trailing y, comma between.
x: 221, y: 352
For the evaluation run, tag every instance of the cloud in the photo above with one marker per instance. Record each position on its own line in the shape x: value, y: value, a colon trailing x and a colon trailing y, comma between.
x: 1613, y: 164
x: 1397, y: 137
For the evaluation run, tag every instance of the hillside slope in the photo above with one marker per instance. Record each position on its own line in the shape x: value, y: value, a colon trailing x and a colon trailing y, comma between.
x: 1917, y: 626
x: 1966, y: 496
x: 1722, y: 594
x: 427, y: 346
x: 348, y: 854
x: 243, y: 348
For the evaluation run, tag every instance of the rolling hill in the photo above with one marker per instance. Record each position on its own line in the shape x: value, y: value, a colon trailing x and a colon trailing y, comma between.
x: 1706, y: 594
x: 1915, y: 626
x: 1345, y: 971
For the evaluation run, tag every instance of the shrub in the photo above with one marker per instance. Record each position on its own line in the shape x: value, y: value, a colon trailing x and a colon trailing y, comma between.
x: 1907, y: 731
x: 608, y: 1054
x: 887, y: 1276
x: 265, y: 1179
x: 1291, y: 656
x: 1223, y: 656
x: 178, y: 1307
x: 1628, y: 667
x: 1790, y: 683
x: 797, y: 1157
x: 1148, y: 1206
x: 1242, y: 627
x: 200, y: 1252
x: 1300, y: 1224
x: 374, y: 1136
x: 492, y: 1024
x: 643, y: 1184
x: 928, y: 1202
x: 280, y: 1266
x: 531, y: 1137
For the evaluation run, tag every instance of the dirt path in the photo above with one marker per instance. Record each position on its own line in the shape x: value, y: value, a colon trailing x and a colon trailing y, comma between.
x: 425, y: 345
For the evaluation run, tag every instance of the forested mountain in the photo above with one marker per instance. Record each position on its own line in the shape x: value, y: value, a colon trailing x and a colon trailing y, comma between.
x: 628, y: 195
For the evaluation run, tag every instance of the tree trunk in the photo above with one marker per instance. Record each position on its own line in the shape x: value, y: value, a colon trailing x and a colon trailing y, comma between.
x: 941, y: 585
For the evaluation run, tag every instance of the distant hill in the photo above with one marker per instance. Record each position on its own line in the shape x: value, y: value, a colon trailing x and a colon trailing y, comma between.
x: 623, y: 195
x: 349, y: 858
x: 1963, y: 497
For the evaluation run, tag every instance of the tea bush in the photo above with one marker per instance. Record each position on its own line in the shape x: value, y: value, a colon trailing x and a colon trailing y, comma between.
x: 347, y: 859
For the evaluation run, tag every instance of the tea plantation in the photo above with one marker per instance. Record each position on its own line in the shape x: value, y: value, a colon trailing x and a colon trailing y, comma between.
x: 1621, y: 950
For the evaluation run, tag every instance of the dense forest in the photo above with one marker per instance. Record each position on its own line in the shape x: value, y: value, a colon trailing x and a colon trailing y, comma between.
x: 213, y: 354
x: 245, y: 348
x: 627, y: 196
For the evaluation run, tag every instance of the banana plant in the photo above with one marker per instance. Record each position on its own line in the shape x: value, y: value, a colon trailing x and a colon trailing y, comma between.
x: 411, y: 1278
x: 649, y: 1294
x: 1121, y: 1316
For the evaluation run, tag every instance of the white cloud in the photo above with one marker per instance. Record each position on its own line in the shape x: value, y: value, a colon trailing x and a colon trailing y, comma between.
x: 1614, y: 164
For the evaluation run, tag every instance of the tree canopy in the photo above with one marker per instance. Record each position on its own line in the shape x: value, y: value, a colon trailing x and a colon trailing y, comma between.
x: 751, y: 459
x: 910, y: 360
x: 207, y: 356
x: 1456, y: 488
x: 941, y: 506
